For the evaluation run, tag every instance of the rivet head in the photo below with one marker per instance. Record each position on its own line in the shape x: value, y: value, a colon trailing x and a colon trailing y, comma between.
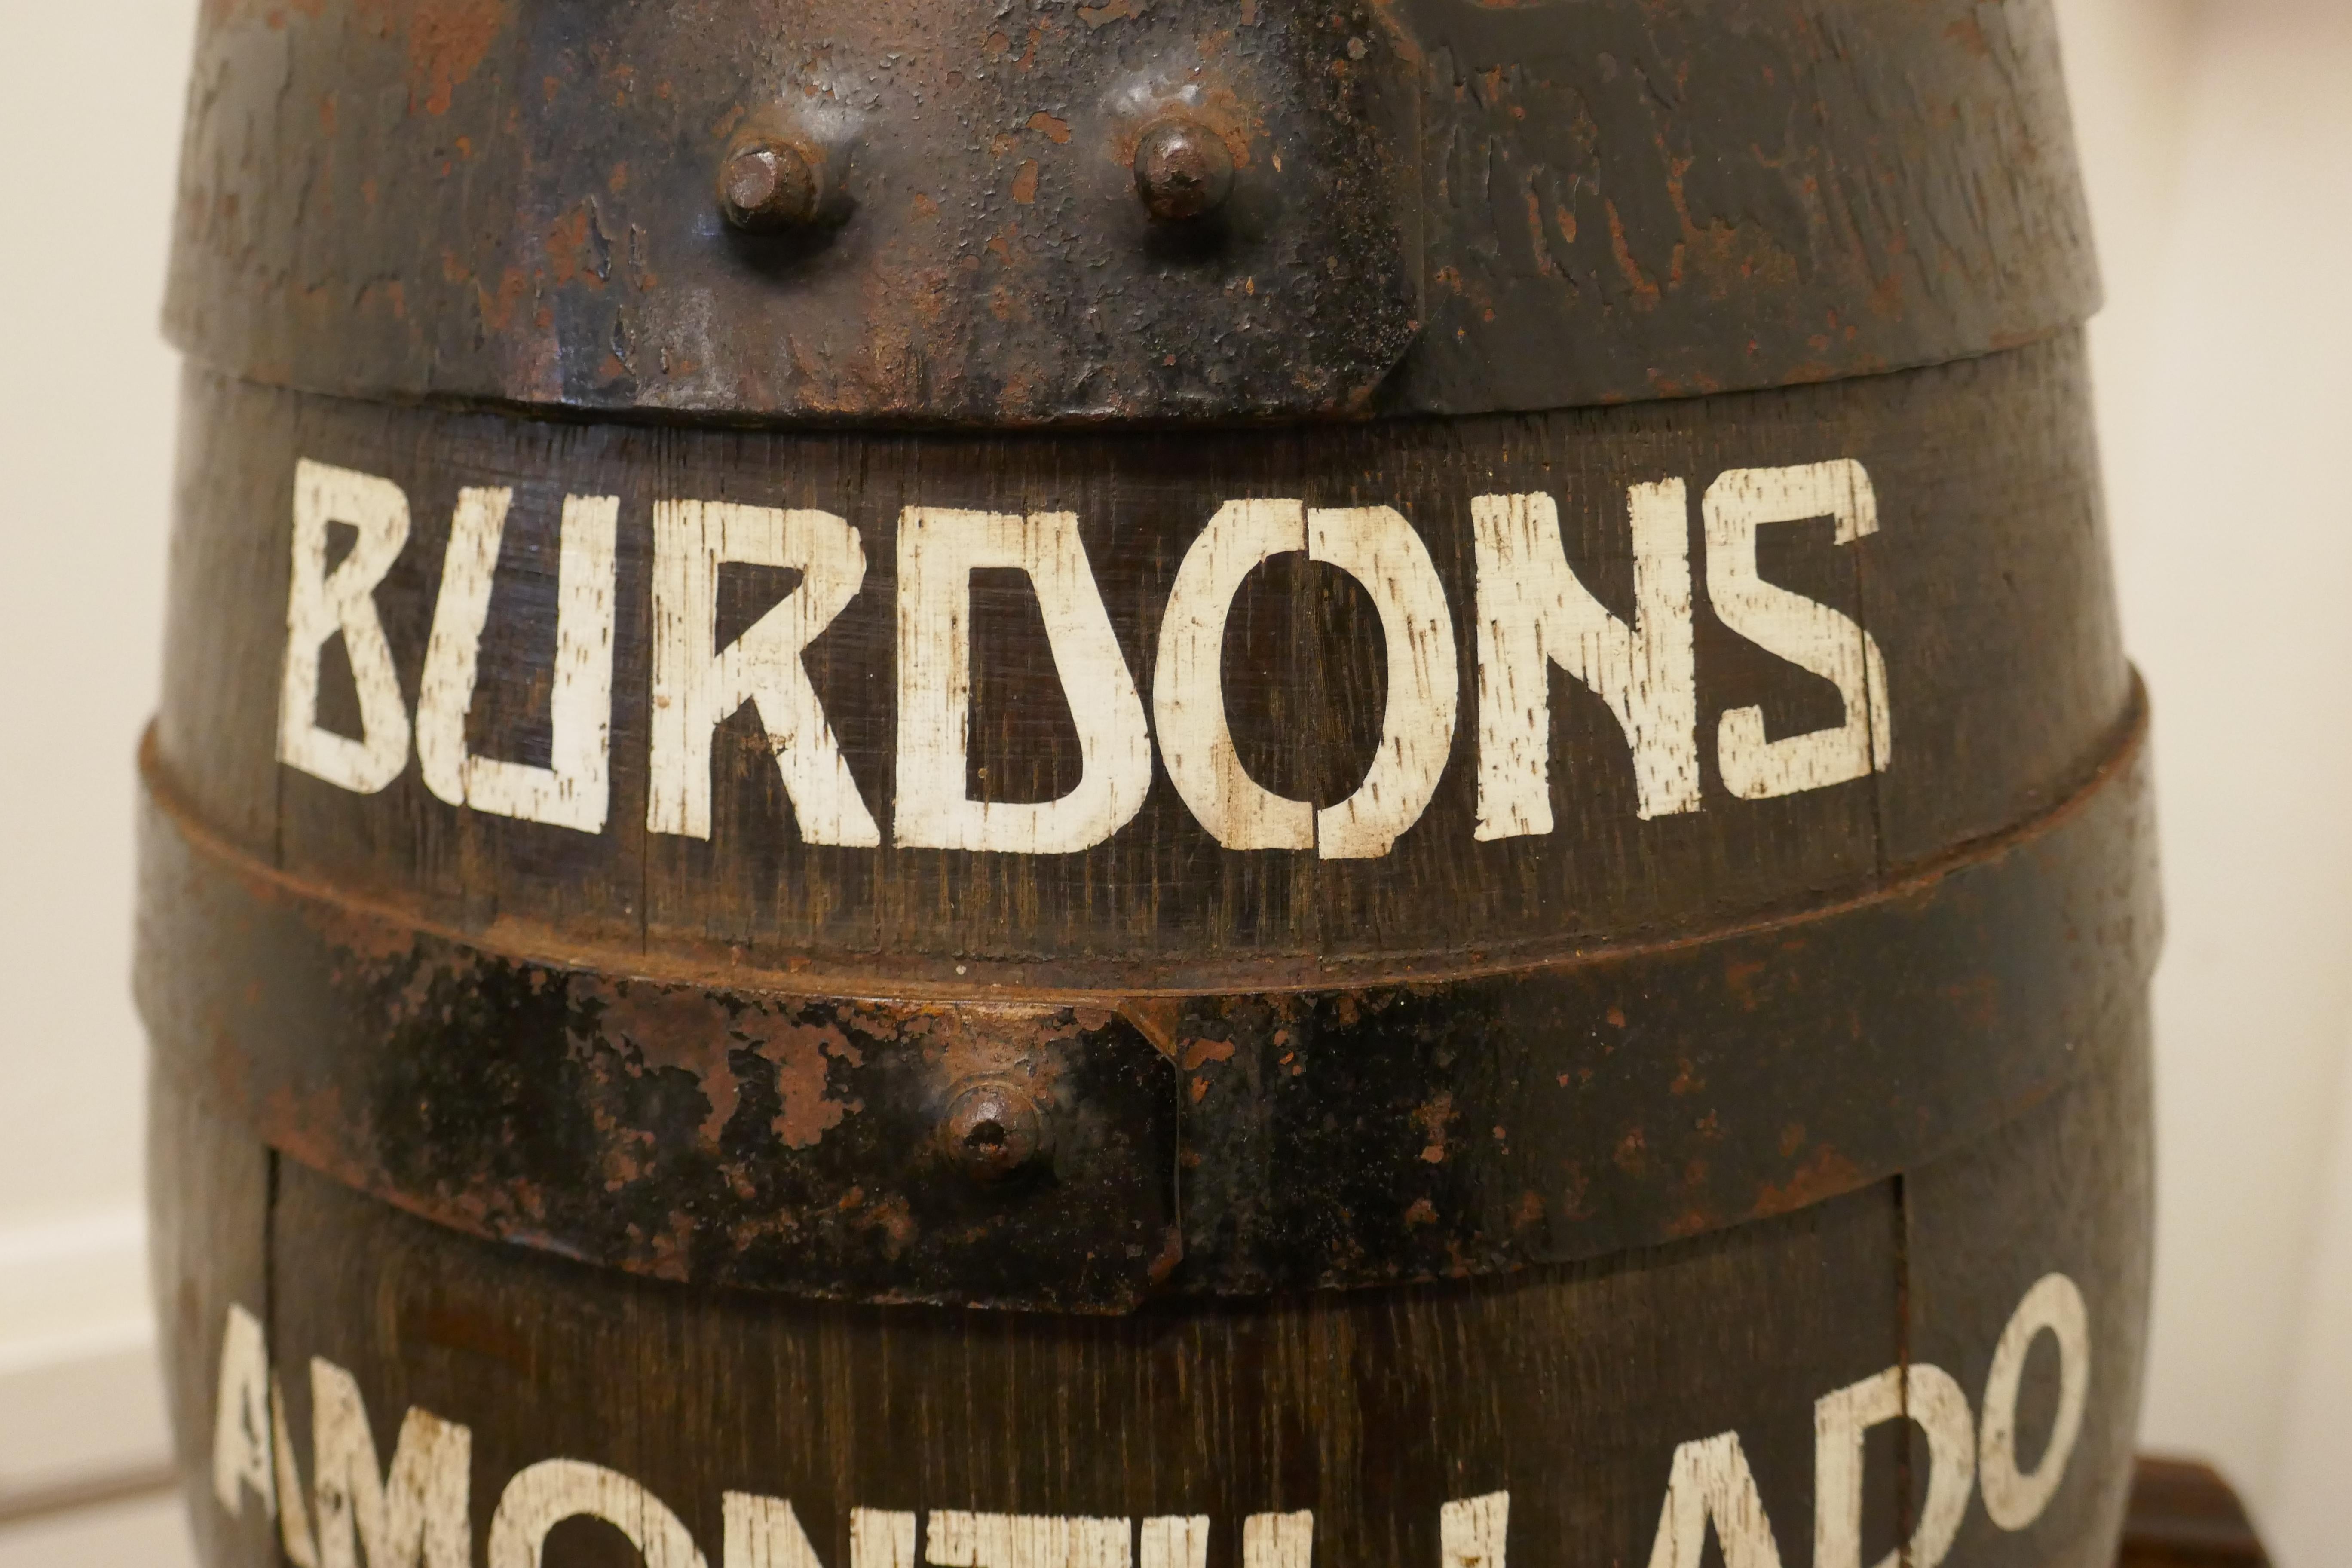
x: 1183, y: 170
x: 993, y: 1129
x: 767, y: 183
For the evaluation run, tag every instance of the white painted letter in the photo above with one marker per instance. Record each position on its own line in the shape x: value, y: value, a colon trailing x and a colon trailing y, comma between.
x: 415, y: 1515
x: 959, y: 1539
x: 938, y: 552
x: 241, y: 1451
x: 1188, y: 686
x: 763, y: 1532
x: 1809, y: 635
x: 1930, y: 1397
x: 1711, y: 1483
x: 697, y: 687
x: 293, y: 1515
x: 1534, y: 614
x: 575, y: 790
x: 553, y: 1490
x: 2014, y: 1498
x: 1175, y: 1540
x: 880, y: 1538
x: 319, y: 605
x: 1472, y: 1531
x: 1379, y: 549
x: 1279, y: 1540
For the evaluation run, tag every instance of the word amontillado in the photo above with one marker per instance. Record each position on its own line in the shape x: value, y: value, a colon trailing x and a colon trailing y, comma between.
x: 1532, y: 613
x: 416, y: 1514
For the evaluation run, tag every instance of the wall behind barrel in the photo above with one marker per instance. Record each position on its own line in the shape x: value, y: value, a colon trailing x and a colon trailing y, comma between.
x: 87, y: 125
x: 2216, y: 136
x: 2216, y: 133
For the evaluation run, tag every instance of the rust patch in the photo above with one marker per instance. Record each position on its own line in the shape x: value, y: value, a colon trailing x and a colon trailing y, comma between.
x: 1646, y: 293
x: 446, y: 40
x: 1156, y: 1019
x: 803, y: 1054
x: 1056, y: 131
x: 1200, y: 1053
x: 1825, y: 1175
x: 1433, y: 1119
x: 672, y: 1028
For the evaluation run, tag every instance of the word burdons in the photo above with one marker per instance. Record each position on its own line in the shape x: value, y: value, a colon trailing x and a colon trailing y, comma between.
x: 1532, y: 613
x: 416, y: 1512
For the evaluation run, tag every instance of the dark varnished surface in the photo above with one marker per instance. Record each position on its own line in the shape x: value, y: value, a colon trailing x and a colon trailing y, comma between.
x: 1987, y: 586
x: 1568, y: 1387
x: 1440, y: 205
x: 757, y: 1132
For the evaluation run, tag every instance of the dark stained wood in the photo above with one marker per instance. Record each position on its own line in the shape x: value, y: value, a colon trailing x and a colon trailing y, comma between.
x: 209, y: 1187
x: 1984, y: 586
x: 1570, y: 1389
x: 1641, y: 1147
x: 2066, y: 1186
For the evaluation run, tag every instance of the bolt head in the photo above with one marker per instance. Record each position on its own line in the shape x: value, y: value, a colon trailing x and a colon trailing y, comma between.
x: 1183, y: 170
x: 768, y: 183
x: 993, y: 1129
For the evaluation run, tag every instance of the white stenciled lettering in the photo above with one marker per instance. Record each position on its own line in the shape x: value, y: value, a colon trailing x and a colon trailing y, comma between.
x: 1533, y: 612
x: 1711, y: 1485
x: 762, y: 1532
x: 1188, y: 686
x: 323, y: 604
x: 241, y: 1445
x: 574, y: 791
x: 1174, y: 1540
x: 954, y: 1539
x: 293, y: 1515
x: 545, y: 1494
x: 1279, y: 1540
x: 1928, y: 1396
x: 881, y: 1538
x: 697, y: 685
x: 1379, y: 549
x: 1809, y: 634
x: 1472, y: 1531
x: 2015, y: 1498
x: 412, y: 1516
x: 938, y: 552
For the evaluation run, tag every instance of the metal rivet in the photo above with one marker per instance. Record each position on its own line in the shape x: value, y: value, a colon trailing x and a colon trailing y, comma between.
x: 993, y: 1129
x: 1182, y: 170
x: 768, y: 183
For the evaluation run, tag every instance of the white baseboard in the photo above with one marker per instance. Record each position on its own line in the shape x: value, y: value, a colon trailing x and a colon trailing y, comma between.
x: 81, y: 1395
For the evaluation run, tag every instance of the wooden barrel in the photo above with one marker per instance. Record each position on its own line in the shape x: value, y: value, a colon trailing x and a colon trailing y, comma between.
x: 1180, y: 784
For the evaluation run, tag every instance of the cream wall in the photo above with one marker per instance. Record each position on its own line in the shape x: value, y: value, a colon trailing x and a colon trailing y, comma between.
x: 88, y: 119
x: 2218, y: 139
x: 2217, y: 135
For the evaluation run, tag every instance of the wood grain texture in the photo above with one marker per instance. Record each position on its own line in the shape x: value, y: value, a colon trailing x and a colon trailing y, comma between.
x: 1985, y: 585
x: 1372, y: 1410
x: 2066, y: 1186
x: 1569, y: 1388
x: 209, y: 1194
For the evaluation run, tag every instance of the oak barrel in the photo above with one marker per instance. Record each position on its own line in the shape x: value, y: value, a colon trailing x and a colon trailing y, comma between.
x: 1179, y: 784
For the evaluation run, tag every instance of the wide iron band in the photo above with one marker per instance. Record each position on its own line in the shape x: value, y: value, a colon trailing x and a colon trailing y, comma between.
x: 1436, y: 206
x: 749, y: 1133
